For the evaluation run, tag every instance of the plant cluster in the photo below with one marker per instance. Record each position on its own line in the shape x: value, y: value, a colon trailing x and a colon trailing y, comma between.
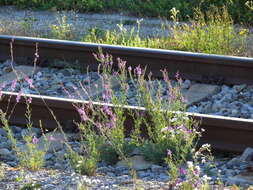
x: 211, y: 32
x: 161, y: 129
x: 102, y: 127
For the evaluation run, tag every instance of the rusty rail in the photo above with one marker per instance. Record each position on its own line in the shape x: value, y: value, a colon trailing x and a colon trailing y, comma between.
x: 193, y: 66
x: 223, y: 133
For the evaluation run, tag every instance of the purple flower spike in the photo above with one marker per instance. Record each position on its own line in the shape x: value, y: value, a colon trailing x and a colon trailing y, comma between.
x: 13, y: 84
x: 35, y: 140
x: 169, y: 153
x: 182, y: 171
x: 129, y: 68
x: 167, y: 129
x: 30, y: 82
x: 18, y: 97
x: 29, y: 100
x: 138, y: 71
x: 82, y: 114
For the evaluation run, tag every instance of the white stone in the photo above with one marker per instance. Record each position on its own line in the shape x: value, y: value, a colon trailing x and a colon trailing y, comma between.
x: 137, y: 162
x: 247, y: 155
x: 199, y: 92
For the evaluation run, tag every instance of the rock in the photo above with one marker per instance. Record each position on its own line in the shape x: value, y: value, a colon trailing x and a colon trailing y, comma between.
x: 3, y: 132
x: 136, y: 151
x: 97, y: 88
x: 138, y: 163
x: 5, y: 154
x: 33, y: 132
x: 199, y: 92
x: 243, y: 178
x: 233, y: 162
x: 156, y: 168
x: 5, y: 144
x: 66, y: 72
x: 22, y: 71
x: 12, y: 163
x: 186, y: 84
x: 247, y: 155
x: 124, y: 179
x: 239, y: 88
x: 48, y: 156
x: 163, y: 177
x: 16, y: 129
x: 142, y: 174
x: 217, y: 106
x: 55, y: 139
x: 103, y: 169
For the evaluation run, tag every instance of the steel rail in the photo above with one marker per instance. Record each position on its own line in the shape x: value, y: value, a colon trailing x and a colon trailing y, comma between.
x: 193, y: 66
x: 223, y: 133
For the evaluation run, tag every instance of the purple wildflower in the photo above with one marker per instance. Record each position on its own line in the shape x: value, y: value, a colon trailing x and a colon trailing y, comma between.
x: 129, y: 69
x: 115, y: 73
x: 167, y: 129
x: 83, y: 114
x: 169, y: 153
x: 3, y: 85
x: 121, y: 64
x: 74, y: 87
x: 185, y: 129
x: 107, y: 110
x: 29, y: 100
x: 13, y: 84
x: 179, y: 181
x: 107, y: 93
x: 18, y: 97
x: 29, y: 81
x: 67, y: 92
x: 35, y: 140
x: 51, y: 138
x: 196, y: 171
x: 98, y: 125
x: 177, y: 76
x: 182, y: 171
x: 138, y: 71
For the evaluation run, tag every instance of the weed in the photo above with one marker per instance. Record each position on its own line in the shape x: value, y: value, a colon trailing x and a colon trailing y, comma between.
x: 63, y: 30
x: 31, y: 186
x: 211, y: 32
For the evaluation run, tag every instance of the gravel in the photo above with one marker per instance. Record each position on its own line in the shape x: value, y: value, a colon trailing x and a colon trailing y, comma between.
x: 223, y: 100
x: 58, y: 173
x: 25, y: 22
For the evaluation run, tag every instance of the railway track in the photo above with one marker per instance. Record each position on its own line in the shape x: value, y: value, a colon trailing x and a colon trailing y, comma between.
x: 223, y: 133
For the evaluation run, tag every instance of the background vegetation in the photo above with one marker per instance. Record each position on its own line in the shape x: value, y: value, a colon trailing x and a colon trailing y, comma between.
x: 155, y: 8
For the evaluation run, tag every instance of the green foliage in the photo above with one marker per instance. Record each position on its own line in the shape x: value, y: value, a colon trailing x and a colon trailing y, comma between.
x: 82, y: 164
x: 29, y: 156
x: 161, y: 8
x: 63, y: 30
x: 31, y: 186
x: 108, y: 154
x: 210, y: 32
